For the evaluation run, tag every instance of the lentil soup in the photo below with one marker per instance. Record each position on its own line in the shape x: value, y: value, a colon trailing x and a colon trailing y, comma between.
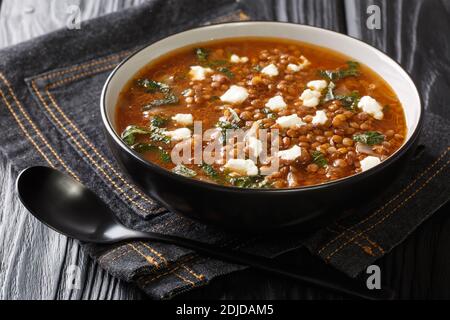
x: 335, y: 117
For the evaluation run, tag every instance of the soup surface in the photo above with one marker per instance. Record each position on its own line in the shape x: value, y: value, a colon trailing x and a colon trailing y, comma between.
x: 260, y: 113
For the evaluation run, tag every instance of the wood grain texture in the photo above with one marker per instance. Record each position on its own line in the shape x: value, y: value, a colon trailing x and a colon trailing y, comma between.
x: 34, y: 260
x: 26, y: 19
x: 407, y: 35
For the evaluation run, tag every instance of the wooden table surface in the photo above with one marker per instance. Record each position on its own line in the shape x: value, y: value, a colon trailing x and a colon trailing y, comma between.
x: 33, y: 259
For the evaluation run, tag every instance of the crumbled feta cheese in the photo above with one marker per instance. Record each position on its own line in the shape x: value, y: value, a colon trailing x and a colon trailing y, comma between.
x: 298, y: 67
x: 271, y: 70
x: 236, y: 59
x: 371, y: 106
x: 199, y: 73
x: 290, y: 154
x: 317, y: 85
x: 184, y: 119
x: 243, y: 167
x: 290, y: 121
x: 276, y: 103
x: 179, y: 134
x: 255, y: 146
x: 369, y: 162
x: 310, y: 98
x: 293, y: 67
x: 320, y: 117
x: 235, y: 95
x: 304, y: 62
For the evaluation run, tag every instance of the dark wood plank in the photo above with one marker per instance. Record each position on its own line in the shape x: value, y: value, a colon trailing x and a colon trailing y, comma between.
x: 320, y: 13
x: 33, y: 259
x: 408, y: 35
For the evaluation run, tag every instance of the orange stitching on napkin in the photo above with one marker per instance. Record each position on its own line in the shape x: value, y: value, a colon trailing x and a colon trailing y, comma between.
x: 366, y: 249
x: 164, y: 260
x: 109, y: 253
x: 25, y: 130
x: 386, y: 204
x: 120, y: 255
x: 33, y: 125
x: 170, y: 271
x: 198, y: 276
x: 84, y: 65
x: 102, y: 158
x: 80, y: 75
x: 152, y: 261
x: 191, y: 258
x: 85, y: 152
x: 147, y: 258
x: 85, y: 139
x: 159, y: 255
x: 185, y: 280
x: 390, y: 213
x: 372, y: 243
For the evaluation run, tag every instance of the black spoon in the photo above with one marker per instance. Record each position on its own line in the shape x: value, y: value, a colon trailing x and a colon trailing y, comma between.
x: 70, y: 208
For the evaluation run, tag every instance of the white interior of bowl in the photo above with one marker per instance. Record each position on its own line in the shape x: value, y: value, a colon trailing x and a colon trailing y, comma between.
x: 388, y: 69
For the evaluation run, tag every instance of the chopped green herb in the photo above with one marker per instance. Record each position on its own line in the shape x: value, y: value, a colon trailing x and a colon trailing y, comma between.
x: 216, y: 63
x: 184, y: 171
x: 257, y: 68
x: 350, y: 101
x: 250, y: 182
x: 330, y: 92
x: 224, y: 126
x: 169, y: 98
x: 226, y: 72
x: 153, y: 86
x: 334, y: 75
x: 165, y: 156
x: 158, y: 134
x: 219, y: 65
x: 269, y: 113
x: 319, y: 159
x: 129, y: 134
x: 210, y: 171
x: 146, y: 147
x: 202, y: 54
x: 370, y: 137
x: 214, y: 98
x: 158, y: 121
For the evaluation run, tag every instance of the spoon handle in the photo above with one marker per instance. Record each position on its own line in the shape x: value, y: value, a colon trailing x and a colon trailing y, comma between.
x: 337, y: 282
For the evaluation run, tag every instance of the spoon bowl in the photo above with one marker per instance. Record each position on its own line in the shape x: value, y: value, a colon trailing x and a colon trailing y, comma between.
x: 68, y: 207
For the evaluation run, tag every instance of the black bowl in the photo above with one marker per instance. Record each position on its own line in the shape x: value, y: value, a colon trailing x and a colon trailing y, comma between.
x: 258, y: 209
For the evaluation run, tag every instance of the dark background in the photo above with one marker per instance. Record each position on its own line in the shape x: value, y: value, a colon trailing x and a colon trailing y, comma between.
x: 415, y: 33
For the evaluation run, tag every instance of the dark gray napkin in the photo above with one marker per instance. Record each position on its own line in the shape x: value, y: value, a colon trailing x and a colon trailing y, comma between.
x: 49, y: 114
